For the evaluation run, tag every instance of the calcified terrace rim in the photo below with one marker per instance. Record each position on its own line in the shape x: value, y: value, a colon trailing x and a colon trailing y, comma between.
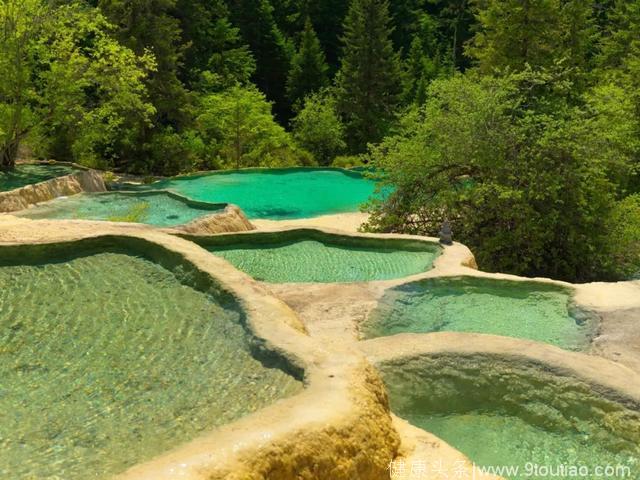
x: 340, y: 426
x: 170, y: 193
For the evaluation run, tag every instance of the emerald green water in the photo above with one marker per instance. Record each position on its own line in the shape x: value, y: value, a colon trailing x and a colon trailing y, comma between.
x: 109, y: 359
x: 503, y: 412
x: 497, y: 441
x: 278, y: 193
x: 514, y: 309
x: 157, y: 209
x: 319, y: 261
x: 29, y: 173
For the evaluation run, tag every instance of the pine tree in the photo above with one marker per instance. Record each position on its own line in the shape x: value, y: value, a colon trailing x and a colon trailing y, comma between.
x: 149, y: 25
x: 309, y: 68
x: 215, y: 57
x: 406, y: 17
x: 269, y: 47
x: 538, y: 33
x: 420, y: 70
x: 457, y: 21
x: 328, y: 16
x: 622, y: 40
x: 619, y: 63
x: 369, y: 82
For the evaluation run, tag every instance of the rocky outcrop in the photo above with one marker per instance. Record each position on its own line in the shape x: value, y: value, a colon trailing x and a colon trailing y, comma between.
x: 231, y: 219
x: 21, y: 198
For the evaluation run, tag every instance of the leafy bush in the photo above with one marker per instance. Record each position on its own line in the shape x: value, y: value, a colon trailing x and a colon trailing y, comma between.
x: 622, y: 253
x: 318, y: 129
x: 237, y: 130
x: 347, y: 161
x: 86, y: 93
x: 528, y: 190
x: 173, y: 152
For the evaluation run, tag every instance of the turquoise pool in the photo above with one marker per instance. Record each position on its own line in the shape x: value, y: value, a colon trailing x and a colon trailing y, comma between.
x: 312, y: 256
x: 505, y: 414
x: 159, y: 209
x: 108, y: 359
x: 30, y: 173
x: 530, y: 310
x: 278, y: 193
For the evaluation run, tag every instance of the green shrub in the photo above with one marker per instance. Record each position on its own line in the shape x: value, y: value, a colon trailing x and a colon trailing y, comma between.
x: 528, y: 191
x: 237, y: 130
x: 622, y: 258
x: 347, y: 161
x: 317, y: 128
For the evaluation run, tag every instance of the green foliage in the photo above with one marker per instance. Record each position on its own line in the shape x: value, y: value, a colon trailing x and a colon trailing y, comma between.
x: 148, y: 25
x: 348, y: 161
x: 367, y: 86
x: 327, y: 17
x: 85, y: 91
x: 309, y: 68
x: 21, y: 22
x: 421, y: 70
x: 173, y: 152
x: 214, y: 58
x: 619, y: 69
x: 317, y: 128
x: 238, y: 130
x: 521, y: 187
x: 622, y: 253
x: 612, y: 112
x: 621, y: 39
x: 270, y: 48
x: 456, y: 26
x: 538, y: 33
x: 407, y: 16
x: 533, y: 154
x: 151, y: 26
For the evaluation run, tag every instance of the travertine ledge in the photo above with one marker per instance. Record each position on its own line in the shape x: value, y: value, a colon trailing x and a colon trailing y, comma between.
x: 231, y: 219
x: 85, y: 181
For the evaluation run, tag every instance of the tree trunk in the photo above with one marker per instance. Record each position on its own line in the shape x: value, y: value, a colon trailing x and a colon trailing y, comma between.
x: 9, y: 153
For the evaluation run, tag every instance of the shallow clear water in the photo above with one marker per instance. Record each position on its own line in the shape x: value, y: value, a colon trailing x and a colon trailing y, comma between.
x: 278, y: 193
x: 108, y: 360
x: 27, y: 174
x: 498, y: 441
x: 514, y: 309
x: 155, y: 209
x: 509, y: 412
x: 315, y: 261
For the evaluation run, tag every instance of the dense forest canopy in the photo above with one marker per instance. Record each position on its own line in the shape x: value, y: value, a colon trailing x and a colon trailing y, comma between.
x: 516, y: 120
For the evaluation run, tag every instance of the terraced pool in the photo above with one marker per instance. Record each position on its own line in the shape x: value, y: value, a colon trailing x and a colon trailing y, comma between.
x: 278, y: 193
x: 307, y: 256
x: 159, y: 209
x: 29, y: 173
x: 501, y: 414
x: 530, y: 310
x: 108, y: 359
